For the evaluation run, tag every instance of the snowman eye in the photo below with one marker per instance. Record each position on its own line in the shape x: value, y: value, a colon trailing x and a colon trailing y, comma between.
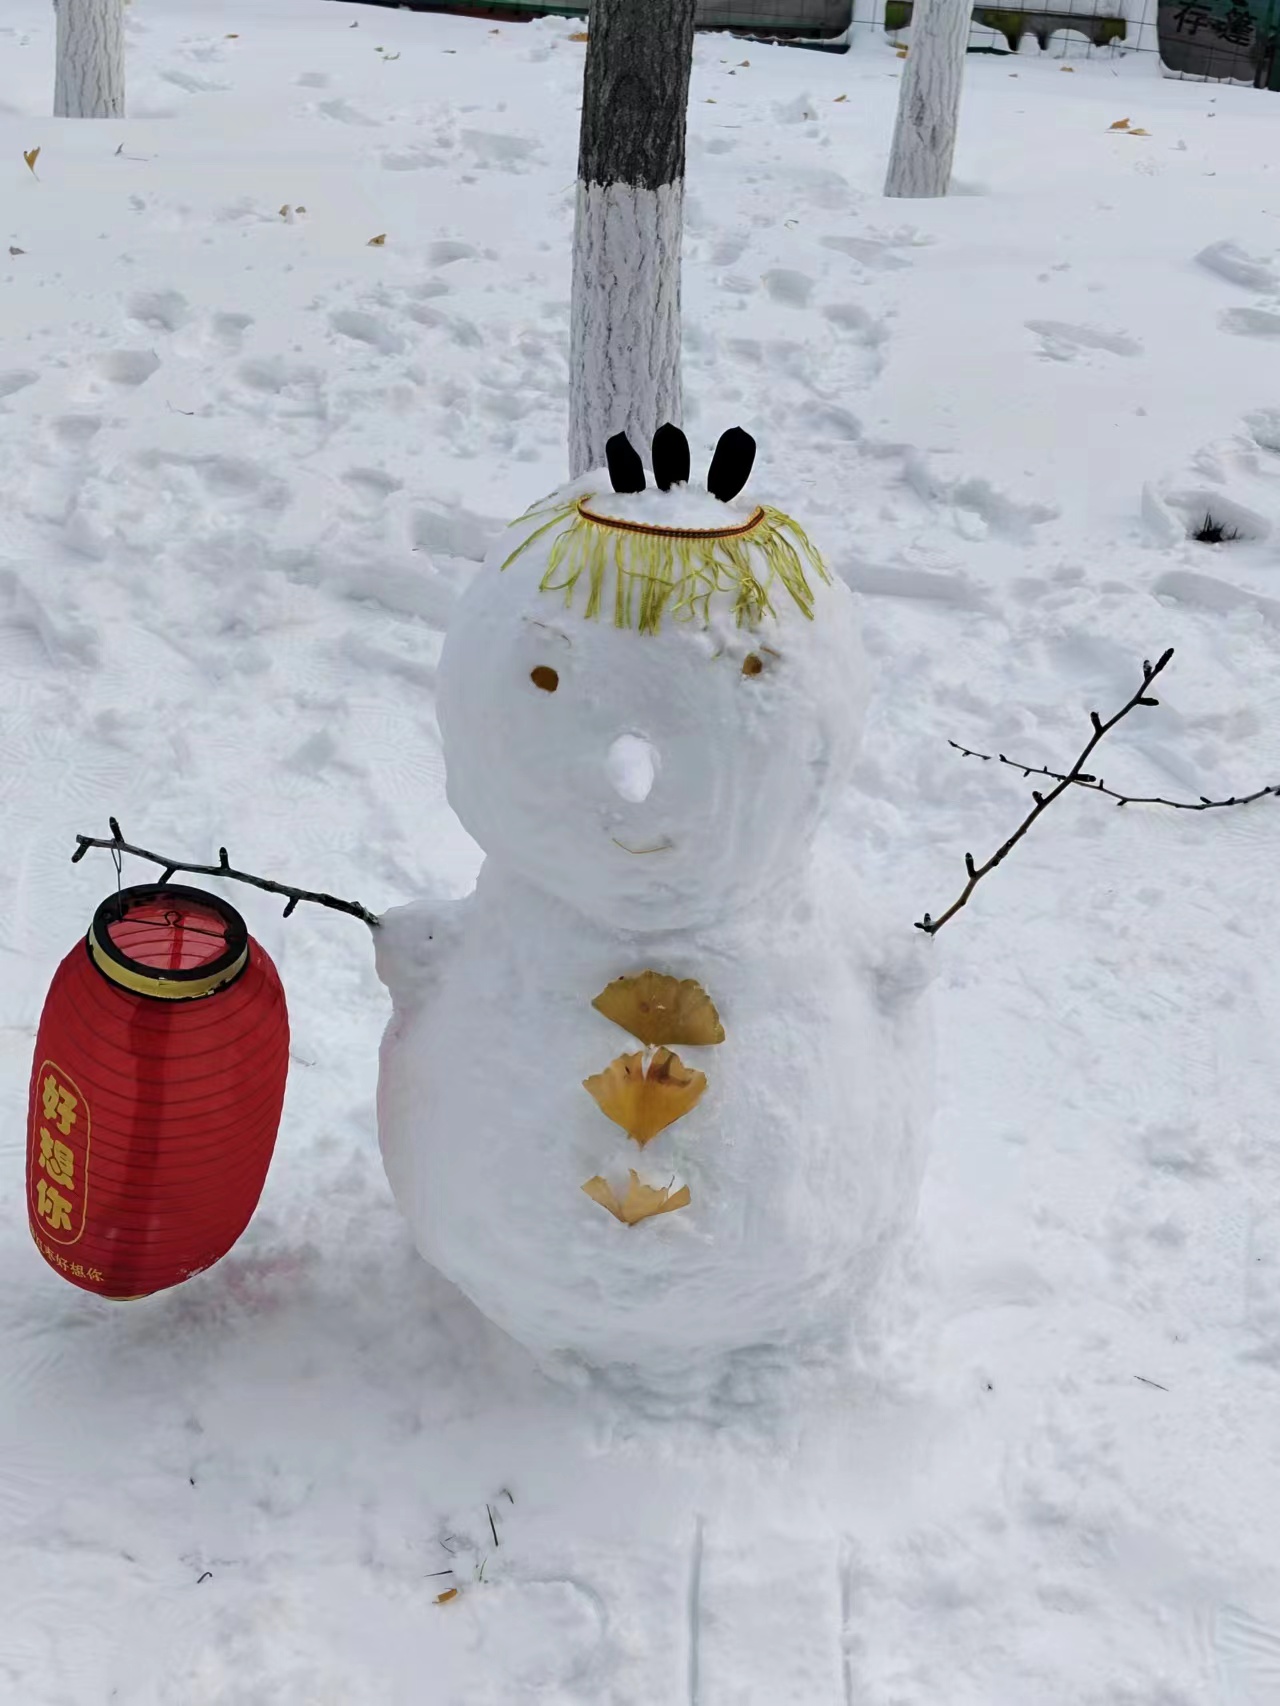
x: 545, y: 677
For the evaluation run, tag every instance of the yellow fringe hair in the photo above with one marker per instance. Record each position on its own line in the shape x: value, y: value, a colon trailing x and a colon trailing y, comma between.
x: 655, y: 570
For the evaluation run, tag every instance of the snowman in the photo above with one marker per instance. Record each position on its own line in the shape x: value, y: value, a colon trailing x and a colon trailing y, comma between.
x: 651, y: 1094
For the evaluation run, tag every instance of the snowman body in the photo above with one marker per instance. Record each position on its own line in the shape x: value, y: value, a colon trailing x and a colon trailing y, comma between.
x: 648, y: 775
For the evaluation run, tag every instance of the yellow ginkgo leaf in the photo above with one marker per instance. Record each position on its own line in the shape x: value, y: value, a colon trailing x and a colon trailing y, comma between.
x: 446, y: 1596
x: 641, y: 1202
x: 645, y: 1103
x: 659, y: 1009
x: 378, y: 241
x: 580, y: 35
x: 31, y: 155
x: 1121, y: 124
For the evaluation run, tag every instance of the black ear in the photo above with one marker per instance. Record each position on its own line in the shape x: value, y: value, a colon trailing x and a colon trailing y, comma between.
x: 626, y: 470
x: 670, y: 457
x: 731, y: 465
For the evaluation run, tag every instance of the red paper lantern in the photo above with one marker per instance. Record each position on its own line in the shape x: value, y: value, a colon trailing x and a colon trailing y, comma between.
x: 156, y: 1092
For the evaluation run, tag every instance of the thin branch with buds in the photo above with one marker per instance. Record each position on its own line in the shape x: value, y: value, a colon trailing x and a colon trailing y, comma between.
x: 976, y: 872
x: 117, y: 845
x: 1096, y: 785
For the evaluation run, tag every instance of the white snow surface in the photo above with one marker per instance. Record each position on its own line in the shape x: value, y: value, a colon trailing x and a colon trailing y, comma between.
x: 248, y: 464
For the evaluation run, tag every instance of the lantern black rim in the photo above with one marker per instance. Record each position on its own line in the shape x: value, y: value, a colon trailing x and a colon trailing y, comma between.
x: 181, y: 983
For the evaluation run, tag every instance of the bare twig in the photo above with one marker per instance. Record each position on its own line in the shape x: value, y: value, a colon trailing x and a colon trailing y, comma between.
x: 493, y: 1527
x: 117, y: 845
x: 1096, y: 785
x: 1155, y: 1383
x: 976, y: 872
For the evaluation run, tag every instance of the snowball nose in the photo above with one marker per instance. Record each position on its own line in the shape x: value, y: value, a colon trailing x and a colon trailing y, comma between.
x: 632, y: 767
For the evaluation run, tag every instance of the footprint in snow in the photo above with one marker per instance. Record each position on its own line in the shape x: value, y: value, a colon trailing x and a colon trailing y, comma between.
x: 448, y: 249
x: 1263, y: 426
x: 228, y: 330
x: 503, y: 152
x: 127, y: 367
x: 192, y: 84
x: 1251, y: 322
x: 413, y: 159
x: 1062, y: 341
x: 159, y: 310
x: 880, y: 253
x: 367, y: 329
x: 344, y: 113
x: 792, y: 289
x: 849, y: 318
x: 74, y: 433
x: 1230, y: 261
x: 16, y: 379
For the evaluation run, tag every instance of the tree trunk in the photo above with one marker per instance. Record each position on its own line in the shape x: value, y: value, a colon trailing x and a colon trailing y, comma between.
x: 90, y: 65
x: 625, y: 331
x: 924, y: 137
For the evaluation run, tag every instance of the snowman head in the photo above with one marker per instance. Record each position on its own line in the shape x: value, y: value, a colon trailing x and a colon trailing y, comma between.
x: 648, y: 697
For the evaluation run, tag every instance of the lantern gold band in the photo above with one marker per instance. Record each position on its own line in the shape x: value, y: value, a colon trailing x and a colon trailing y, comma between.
x: 747, y: 526
x: 156, y: 984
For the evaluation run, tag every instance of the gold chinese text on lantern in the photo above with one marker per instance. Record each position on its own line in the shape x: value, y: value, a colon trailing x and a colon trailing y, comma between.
x: 60, y: 1179
x: 645, y: 1093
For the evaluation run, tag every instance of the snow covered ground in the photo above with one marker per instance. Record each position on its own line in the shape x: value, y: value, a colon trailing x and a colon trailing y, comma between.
x: 246, y: 462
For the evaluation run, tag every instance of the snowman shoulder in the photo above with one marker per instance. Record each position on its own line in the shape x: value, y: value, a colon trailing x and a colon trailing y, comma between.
x: 413, y: 944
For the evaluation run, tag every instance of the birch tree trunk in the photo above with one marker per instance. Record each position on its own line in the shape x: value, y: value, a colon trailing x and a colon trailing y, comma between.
x: 924, y: 137
x: 89, y: 82
x: 625, y: 328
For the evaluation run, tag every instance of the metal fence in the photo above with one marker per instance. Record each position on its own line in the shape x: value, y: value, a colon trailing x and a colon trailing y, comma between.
x: 1206, y: 40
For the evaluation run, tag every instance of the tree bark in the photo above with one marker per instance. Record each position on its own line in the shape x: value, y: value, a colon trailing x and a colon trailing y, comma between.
x: 89, y: 82
x: 924, y: 137
x: 625, y: 321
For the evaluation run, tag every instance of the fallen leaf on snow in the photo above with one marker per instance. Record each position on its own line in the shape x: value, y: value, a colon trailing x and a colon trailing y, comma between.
x: 31, y: 155
x: 645, y: 1103
x: 641, y: 1202
x: 378, y: 241
x: 1139, y: 133
x: 16, y: 251
x: 1070, y: 68
x: 1121, y: 124
x: 658, y: 1009
x: 580, y: 35
x: 446, y: 1596
x: 840, y: 98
